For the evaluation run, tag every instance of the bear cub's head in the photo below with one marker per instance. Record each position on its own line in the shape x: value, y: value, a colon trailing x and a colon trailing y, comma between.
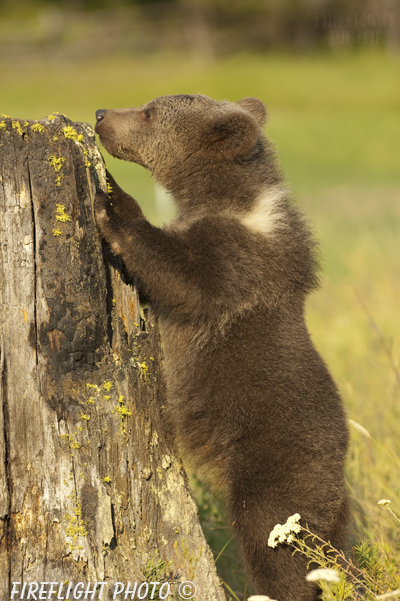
x: 193, y: 144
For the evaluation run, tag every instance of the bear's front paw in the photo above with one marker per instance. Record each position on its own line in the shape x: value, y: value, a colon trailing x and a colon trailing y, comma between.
x: 123, y: 204
x: 108, y: 221
x: 102, y: 208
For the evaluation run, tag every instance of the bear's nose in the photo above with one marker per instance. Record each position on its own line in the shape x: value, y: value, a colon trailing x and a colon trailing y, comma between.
x: 100, y: 114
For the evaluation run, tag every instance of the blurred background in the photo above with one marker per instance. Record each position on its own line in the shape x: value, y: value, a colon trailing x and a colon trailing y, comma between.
x: 329, y: 74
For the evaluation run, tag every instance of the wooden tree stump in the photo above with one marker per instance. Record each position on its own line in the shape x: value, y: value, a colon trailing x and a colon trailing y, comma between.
x: 92, y: 489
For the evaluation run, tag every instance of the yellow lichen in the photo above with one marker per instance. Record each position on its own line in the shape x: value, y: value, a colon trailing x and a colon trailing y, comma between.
x: 38, y: 127
x: 61, y: 214
x: 84, y: 416
x: 145, y: 370
x: 108, y: 384
x: 67, y: 481
x: 122, y: 411
x: 107, y: 479
x: 94, y: 386
x: 87, y: 162
x: 59, y: 179
x: 17, y: 125
x: 57, y: 232
x: 71, y: 133
x: 3, y: 125
x: 76, y: 526
x: 71, y: 443
x: 90, y: 401
x: 56, y: 162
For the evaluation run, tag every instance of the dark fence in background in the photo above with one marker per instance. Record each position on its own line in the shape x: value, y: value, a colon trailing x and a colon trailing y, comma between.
x: 202, y: 27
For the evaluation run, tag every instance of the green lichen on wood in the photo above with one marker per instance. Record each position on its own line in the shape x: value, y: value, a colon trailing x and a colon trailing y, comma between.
x: 157, y: 571
x: 187, y: 558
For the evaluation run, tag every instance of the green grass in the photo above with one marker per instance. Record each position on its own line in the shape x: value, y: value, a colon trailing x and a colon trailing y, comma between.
x: 335, y: 120
x: 355, y: 323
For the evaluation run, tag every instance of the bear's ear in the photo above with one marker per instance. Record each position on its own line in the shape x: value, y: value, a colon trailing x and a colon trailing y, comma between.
x: 256, y: 108
x: 232, y: 133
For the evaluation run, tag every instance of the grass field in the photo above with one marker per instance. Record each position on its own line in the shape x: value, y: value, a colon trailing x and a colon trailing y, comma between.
x: 335, y: 120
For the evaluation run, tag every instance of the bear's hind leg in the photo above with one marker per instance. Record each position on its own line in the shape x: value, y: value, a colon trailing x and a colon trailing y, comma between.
x: 273, y: 571
x: 276, y: 572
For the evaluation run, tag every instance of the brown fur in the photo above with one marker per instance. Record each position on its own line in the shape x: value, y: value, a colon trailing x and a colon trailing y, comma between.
x: 253, y: 403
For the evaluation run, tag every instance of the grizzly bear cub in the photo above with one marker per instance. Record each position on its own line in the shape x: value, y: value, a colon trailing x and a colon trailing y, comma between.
x: 253, y: 404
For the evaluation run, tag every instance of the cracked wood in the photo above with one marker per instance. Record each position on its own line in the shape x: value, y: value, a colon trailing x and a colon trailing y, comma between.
x: 91, y: 484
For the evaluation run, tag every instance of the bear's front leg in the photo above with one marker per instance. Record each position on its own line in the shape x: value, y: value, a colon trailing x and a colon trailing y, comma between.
x: 124, y: 204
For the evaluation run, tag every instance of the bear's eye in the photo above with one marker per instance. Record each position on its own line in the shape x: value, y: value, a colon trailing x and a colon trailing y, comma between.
x: 147, y: 114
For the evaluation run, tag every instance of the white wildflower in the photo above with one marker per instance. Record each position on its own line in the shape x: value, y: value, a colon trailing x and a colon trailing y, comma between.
x: 284, y: 533
x: 260, y: 598
x: 384, y: 502
x: 359, y: 428
x: 323, y: 574
x: 390, y: 595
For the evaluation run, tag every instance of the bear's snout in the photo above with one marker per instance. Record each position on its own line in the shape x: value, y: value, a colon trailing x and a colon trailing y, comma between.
x: 99, y: 117
x: 100, y: 114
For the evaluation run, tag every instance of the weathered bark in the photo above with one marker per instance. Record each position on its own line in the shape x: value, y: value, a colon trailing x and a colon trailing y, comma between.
x: 92, y: 489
